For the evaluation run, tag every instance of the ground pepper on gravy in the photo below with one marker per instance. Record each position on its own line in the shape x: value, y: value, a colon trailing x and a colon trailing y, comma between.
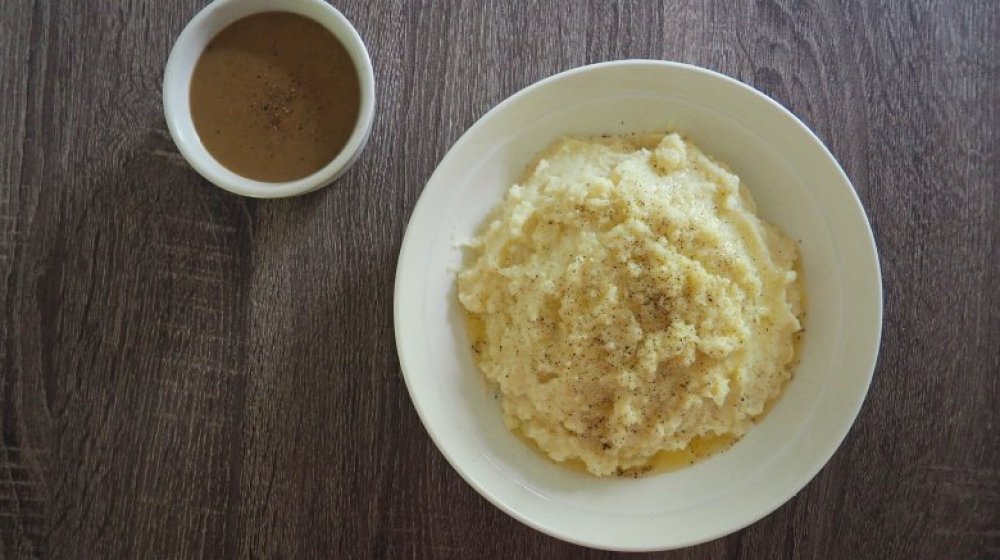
x: 275, y: 97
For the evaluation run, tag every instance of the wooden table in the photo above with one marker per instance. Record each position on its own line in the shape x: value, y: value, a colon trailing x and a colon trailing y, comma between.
x: 189, y: 374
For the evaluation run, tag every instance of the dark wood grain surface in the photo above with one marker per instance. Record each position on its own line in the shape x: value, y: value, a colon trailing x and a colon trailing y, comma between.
x: 189, y: 374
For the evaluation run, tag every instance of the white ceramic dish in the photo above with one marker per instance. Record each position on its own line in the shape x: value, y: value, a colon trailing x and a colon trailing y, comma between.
x: 177, y: 85
x: 797, y: 184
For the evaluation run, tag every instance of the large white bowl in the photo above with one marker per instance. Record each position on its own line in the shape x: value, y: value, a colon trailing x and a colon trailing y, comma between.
x: 797, y: 184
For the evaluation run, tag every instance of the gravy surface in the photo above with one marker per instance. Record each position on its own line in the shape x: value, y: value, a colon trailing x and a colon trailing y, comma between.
x: 275, y: 97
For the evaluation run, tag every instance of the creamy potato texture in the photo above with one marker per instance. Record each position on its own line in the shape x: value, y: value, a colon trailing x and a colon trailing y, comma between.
x: 627, y: 300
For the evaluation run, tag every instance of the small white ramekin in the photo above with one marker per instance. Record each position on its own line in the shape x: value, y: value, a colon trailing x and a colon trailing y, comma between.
x: 177, y: 84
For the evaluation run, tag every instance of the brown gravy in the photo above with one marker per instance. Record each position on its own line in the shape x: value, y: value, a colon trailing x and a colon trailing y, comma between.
x: 275, y: 97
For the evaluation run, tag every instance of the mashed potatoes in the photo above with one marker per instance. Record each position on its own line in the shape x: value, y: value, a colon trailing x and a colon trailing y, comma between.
x: 627, y: 300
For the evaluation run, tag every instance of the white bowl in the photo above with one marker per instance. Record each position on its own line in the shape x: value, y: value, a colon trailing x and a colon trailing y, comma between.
x: 798, y: 185
x: 177, y: 86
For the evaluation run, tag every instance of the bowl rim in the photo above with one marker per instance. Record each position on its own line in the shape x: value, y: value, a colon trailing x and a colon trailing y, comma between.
x: 177, y: 76
x: 408, y: 247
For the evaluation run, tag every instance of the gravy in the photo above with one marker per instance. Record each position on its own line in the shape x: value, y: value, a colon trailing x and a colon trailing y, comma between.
x: 275, y: 97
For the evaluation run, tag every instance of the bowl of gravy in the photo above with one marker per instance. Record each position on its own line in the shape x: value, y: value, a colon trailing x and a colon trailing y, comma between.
x: 269, y: 98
